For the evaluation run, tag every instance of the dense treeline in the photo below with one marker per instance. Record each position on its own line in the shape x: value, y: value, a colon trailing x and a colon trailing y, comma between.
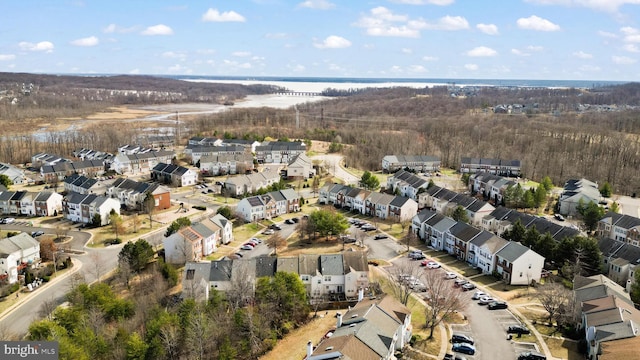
x: 140, y: 322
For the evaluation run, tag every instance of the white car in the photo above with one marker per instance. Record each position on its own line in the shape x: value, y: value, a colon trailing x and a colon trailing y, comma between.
x: 432, y: 265
x: 450, y: 275
x: 256, y: 240
x: 9, y: 220
x: 246, y: 247
x: 478, y: 294
x: 485, y: 300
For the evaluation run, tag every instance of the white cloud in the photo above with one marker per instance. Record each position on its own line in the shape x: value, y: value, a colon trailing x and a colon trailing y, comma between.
x: 471, y: 67
x: 206, y: 51
x: 519, y: 52
x: 241, y: 53
x: 385, y: 14
x: 296, y: 68
x: 481, y: 51
x: 45, y: 46
x: 446, y: 23
x: 535, y: 48
x: 88, y: 41
x: 406, y: 51
x: 582, y: 55
x: 631, y: 48
x: 237, y: 65
x: 611, y: 6
x: 396, y: 69
x: 317, y: 4
x: 159, y: 29
x: 113, y: 28
x: 429, y: 58
x: 623, y: 60
x: 630, y: 34
x: 607, y: 34
x: 589, y: 68
x: 424, y: 2
x: 213, y: 15
x: 489, y: 29
x: 333, y: 42
x: 7, y: 57
x: 179, y: 69
x: 417, y: 69
x: 174, y: 55
x: 134, y: 71
x: 537, y: 23
x: 383, y: 22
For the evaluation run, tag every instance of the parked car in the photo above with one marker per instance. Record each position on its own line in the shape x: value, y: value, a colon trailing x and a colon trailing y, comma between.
x: 486, y: 300
x: 417, y: 285
x: 461, y: 338
x: 380, y: 237
x: 37, y: 233
x: 464, y: 348
x: 368, y: 228
x: 450, y: 275
x: 268, y: 232
x: 559, y: 217
x: 468, y: 286
x: 295, y: 220
x: 416, y: 255
x: 497, y: 305
x: 289, y: 221
x: 545, y: 273
x: 518, y: 329
x: 531, y: 355
x: 246, y: 247
x: 275, y: 227
x: 459, y: 282
x: 256, y: 240
x: 239, y: 254
x: 249, y: 244
x: 8, y: 220
x: 349, y: 239
x: 433, y: 265
x: 454, y: 357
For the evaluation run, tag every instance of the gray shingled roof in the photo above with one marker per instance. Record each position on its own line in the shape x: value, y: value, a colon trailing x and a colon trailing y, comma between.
x: 512, y: 251
x: 331, y: 264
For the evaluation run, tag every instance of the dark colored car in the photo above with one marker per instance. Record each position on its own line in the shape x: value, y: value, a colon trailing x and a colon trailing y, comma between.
x: 496, y: 305
x: 461, y: 338
x: 37, y: 233
x: 531, y: 355
x: 380, y: 237
x: 459, y: 282
x: 289, y: 221
x: 518, y: 329
x: 348, y: 240
x: 468, y: 286
x: 464, y: 348
x: 275, y: 227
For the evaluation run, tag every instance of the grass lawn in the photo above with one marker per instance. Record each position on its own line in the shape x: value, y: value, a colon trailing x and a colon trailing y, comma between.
x: 246, y: 231
x: 485, y: 280
x: 563, y: 348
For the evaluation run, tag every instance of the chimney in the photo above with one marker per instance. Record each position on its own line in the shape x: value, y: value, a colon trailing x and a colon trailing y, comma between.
x: 339, y: 315
x: 360, y: 294
x: 309, y: 349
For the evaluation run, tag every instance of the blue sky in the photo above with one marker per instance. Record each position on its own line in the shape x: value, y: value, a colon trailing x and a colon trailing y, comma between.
x: 466, y: 39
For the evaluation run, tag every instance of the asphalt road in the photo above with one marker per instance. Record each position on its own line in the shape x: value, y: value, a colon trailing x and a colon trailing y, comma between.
x: 332, y: 164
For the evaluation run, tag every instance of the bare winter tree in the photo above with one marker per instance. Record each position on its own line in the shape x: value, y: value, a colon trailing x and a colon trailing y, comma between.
x: 554, y: 298
x: 171, y: 341
x: 410, y: 239
x: 242, y: 289
x: 442, y: 299
x: 401, y: 277
x: 6, y: 334
x: 199, y: 339
x: 46, y: 310
x: 97, y: 266
x: 276, y: 241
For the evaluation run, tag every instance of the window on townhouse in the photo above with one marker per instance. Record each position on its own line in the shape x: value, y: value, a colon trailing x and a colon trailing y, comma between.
x: 319, y: 281
x: 327, y: 278
x: 529, y: 266
x: 521, y: 274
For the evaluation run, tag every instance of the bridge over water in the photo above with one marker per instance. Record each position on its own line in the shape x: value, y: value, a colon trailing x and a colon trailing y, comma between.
x: 298, y: 93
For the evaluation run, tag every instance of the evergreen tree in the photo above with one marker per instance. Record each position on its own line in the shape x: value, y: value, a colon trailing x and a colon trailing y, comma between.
x: 516, y: 232
x: 460, y: 214
x: 605, y: 189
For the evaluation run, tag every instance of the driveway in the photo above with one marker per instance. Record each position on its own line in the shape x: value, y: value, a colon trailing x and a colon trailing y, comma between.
x: 332, y: 162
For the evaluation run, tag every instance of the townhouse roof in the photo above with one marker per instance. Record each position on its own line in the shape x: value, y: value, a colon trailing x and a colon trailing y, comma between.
x: 346, y: 347
x: 255, y: 201
x: 6, y: 195
x: 512, y: 251
x: 424, y: 215
x: 597, y: 286
x: 332, y: 264
x: 627, y: 222
x: 399, y: 201
x: 621, y: 252
x: 220, y: 270
x: 225, y: 157
x: 596, y: 305
x: 621, y: 349
x: 337, y: 187
x: 287, y: 264
x: 265, y: 265
x: 353, y: 192
x: 445, y: 224
x: 490, y: 241
x: 500, y: 212
x: 202, y: 230
x: 464, y: 231
x: 464, y: 200
x: 277, y: 196
x: 43, y: 196
x: 616, y: 331
x: 281, y: 146
x: 446, y: 194
x: 18, y: 195
x: 308, y: 264
x: 411, y: 158
x: 477, y: 205
x: 435, y: 219
x: 355, y: 260
x: 16, y: 243
x: 514, y: 216
x: 219, y: 220
x: 565, y: 232
x: 433, y: 190
x: 488, y: 161
x: 544, y: 226
x: 378, y: 198
x: 290, y: 194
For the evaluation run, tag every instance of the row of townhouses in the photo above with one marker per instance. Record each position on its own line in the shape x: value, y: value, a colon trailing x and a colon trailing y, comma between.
x: 60, y: 170
x: 197, y: 152
x: 510, y: 168
x: 375, y: 328
x: 226, y: 164
x: 575, y: 192
x: 28, y: 203
x: 490, y: 186
x: 140, y: 163
x: 207, y: 141
x: 375, y: 204
x: 619, y: 242
x: 174, y: 175
x: 17, y: 253
x: 516, y: 264
x: 301, y: 167
x: 327, y: 276
x: 407, y: 184
x: 445, y: 201
x: 91, y: 154
x: 608, y: 318
x: 279, y: 152
x: 14, y: 174
x: 250, y: 183
x: 83, y: 208
x: 200, y: 239
x: 41, y: 159
x: 269, y: 205
x: 418, y: 163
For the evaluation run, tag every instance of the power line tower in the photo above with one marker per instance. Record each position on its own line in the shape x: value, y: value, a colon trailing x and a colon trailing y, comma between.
x: 177, y: 129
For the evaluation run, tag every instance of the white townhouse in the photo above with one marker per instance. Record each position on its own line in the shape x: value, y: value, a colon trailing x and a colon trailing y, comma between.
x: 47, y: 203
x: 483, y: 249
x: 407, y: 184
x: 226, y: 228
x: 498, y: 188
x: 301, y: 167
x: 223, y: 164
x: 279, y: 152
x: 182, y: 246
x: 438, y: 229
x: 174, y: 175
x: 210, y: 234
x: 419, y: 163
x: 82, y: 208
x: 620, y: 227
x: 251, y: 208
x: 328, y: 194
x: 140, y: 163
x: 442, y: 199
x: 247, y: 184
x: 457, y: 239
x: 519, y: 265
x: 418, y: 222
x: 575, y: 192
x: 16, y: 253
x: 14, y: 174
x: 268, y: 205
x: 378, y: 204
x: 402, y: 208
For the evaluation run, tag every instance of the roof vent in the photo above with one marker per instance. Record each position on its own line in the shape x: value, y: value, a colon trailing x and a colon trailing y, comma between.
x: 352, y: 325
x: 354, y: 316
x: 329, y: 348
